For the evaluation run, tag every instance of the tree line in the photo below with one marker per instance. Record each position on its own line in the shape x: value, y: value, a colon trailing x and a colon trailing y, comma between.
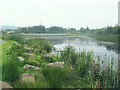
x: 56, y: 29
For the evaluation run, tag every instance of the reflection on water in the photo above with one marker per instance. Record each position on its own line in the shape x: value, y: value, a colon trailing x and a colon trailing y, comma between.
x: 87, y: 44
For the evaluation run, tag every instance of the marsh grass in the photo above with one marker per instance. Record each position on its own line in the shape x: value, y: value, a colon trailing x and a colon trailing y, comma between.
x: 80, y: 70
x: 54, y: 76
x: 39, y: 83
x: 10, y: 70
x: 107, y: 38
x: 88, y: 73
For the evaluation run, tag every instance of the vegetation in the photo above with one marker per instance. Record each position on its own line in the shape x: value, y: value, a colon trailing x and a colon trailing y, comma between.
x: 10, y: 64
x: 54, y: 76
x: 109, y: 33
x: 4, y: 48
x: 40, y: 29
x: 107, y: 38
x: 80, y: 69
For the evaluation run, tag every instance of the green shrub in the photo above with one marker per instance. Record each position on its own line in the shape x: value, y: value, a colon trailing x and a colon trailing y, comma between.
x: 69, y: 56
x: 18, y: 50
x: 39, y: 83
x: 39, y: 45
x: 33, y: 62
x: 10, y: 70
x: 54, y: 76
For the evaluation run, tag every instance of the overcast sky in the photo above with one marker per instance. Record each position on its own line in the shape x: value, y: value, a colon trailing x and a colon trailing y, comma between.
x: 65, y: 13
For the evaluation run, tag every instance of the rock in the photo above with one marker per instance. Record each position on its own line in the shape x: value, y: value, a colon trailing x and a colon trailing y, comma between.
x: 56, y: 64
x: 28, y: 77
x: 31, y: 56
x: 21, y: 59
x: 30, y: 67
x: 47, y: 56
x: 28, y: 49
x: 4, y: 85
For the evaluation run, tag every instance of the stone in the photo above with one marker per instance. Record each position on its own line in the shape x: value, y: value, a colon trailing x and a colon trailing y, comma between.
x: 21, y: 59
x: 56, y: 64
x: 30, y: 67
x: 47, y: 56
x: 28, y: 77
x: 28, y: 49
x: 5, y: 85
x: 31, y: 56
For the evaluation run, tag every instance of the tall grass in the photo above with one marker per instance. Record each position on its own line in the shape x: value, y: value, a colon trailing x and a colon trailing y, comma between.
x: 39, y: 83
x: 10, y: 70
x: 108, y: 38
x: 54, y: 76
x: 87, y: 72
x: 80, y: 70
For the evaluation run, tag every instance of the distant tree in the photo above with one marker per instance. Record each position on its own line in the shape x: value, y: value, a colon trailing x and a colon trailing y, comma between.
x: 55, y: 29
x: 72, y: 30
x: 38, y: 29
x: 82, y: 30
x: 87, y: 28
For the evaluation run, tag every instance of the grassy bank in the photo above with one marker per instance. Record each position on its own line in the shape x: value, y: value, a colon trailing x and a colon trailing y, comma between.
x: 79, y: 70
x: 3, y: 53
x: 4, y: 48
x: 106, y: 38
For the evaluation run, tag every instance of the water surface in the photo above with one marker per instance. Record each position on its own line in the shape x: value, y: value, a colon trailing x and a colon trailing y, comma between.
x: 99, y: 49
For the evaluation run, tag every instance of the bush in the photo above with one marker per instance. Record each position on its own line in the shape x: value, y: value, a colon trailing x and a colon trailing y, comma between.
x: 10, y: 70
x: 18, y: 50
x: 39, y: 45
x: 69, y: 56
x: 39, y: 83
x: 33, y: 62
x: 54, y: 76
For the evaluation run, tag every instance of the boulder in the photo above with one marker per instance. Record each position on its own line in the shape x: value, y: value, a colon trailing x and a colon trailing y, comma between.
x: 30, y: 67
x: 56, y: 64
x: 21, y: 59
x: 27, y: 77
x: 47, y: 56
x: 31, y: 56
x: 4, y: 85
x: 28, y: 49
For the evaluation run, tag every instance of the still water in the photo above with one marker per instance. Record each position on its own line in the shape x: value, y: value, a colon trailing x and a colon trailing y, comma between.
x: 99, y: 49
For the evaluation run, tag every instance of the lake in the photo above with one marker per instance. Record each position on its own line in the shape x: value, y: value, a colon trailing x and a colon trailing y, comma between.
x: 87, y: 44
x: 105, y: 51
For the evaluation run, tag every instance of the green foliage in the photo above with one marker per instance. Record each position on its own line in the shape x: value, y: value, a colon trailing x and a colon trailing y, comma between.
x: 39, y: 83
x: 40, y: 29
x: 54, y: 76
x: 84, y: 63
x: 84, y: 30
x: 108, y: 38
x: 33, y: 62
x: 33, y: 29
x: 39, y: 45
x: 80, y: 70
x: 13, y: 37
x: 69, y: 56
x: 10, y: 69
x: 17, y: 49
x: 55, y: 29
x: 102, y: 31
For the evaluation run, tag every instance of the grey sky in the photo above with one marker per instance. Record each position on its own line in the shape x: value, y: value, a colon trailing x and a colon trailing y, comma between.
x: 65, y: 13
